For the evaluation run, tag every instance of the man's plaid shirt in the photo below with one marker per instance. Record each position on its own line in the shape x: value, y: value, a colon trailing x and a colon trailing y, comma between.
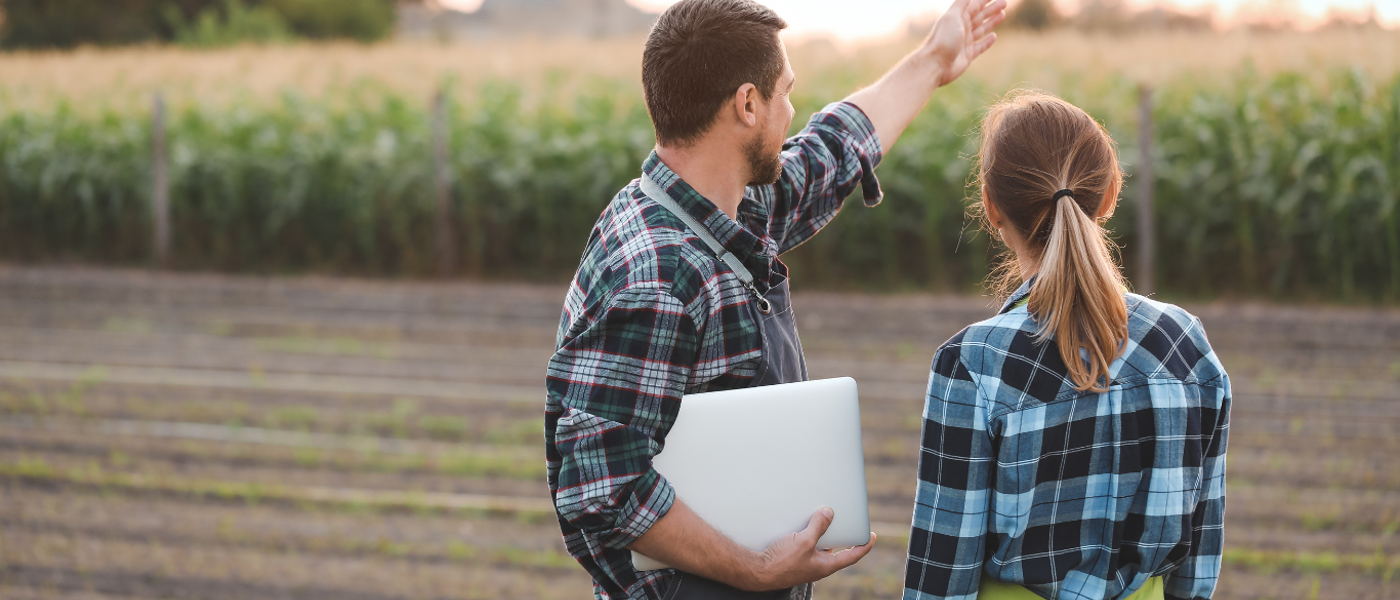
x: 1072, y: 494
x: 652, y: 314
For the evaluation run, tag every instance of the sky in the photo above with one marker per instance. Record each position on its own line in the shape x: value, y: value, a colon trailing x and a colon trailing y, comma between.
x: 855, y: 19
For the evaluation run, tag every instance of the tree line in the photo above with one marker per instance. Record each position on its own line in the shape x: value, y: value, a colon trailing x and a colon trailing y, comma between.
x: 57, y: 24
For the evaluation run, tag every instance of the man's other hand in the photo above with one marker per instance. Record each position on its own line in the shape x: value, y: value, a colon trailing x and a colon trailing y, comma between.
x: 795, y: 559
x: 684, y: 541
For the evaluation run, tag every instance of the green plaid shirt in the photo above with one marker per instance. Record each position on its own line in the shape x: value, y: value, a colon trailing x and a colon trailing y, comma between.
x: 652, y: 315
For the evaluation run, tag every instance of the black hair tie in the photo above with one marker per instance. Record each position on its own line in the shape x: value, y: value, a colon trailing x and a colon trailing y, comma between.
x: 1061, y: 194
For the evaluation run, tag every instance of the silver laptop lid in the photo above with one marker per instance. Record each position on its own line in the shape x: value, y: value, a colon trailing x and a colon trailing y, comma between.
x: 757, y: 463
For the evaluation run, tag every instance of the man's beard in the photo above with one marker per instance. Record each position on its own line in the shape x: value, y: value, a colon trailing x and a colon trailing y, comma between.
x: 765, y: 165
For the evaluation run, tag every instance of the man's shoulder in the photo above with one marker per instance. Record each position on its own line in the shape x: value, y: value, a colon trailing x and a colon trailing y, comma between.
x: 641, y: 245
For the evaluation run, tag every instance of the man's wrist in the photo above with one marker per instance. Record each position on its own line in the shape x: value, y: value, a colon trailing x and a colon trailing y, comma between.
x: 935, y: 67
x: 925, y: 62
x: 753, y: 571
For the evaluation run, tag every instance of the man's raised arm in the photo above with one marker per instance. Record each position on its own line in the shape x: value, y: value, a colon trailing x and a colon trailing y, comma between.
x: 960, y: 36
x: 842, y: 145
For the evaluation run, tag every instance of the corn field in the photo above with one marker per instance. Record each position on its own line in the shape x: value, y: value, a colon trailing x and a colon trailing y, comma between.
x: 1274, y: 185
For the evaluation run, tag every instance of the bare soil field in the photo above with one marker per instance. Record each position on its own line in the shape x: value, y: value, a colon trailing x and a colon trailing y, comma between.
x: 201, y: 436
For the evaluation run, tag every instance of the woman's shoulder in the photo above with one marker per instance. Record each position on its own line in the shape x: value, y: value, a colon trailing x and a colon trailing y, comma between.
x: 982, y: 348
x: 1000, y: 333
x: 1165, y: 340
x: 1150, y: 319
x: 1144, y: 308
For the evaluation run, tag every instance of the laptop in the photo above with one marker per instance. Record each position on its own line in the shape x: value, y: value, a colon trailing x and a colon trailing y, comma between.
x: 757, y: 463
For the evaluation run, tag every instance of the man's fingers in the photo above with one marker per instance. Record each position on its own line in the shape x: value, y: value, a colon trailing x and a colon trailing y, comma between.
x: 846, y: 558
x: 985, y: 23
x: 995, y: 18
x: 985, y: 29
x: 817, y: 526
x: 981, y: 46
x: 991, y: 9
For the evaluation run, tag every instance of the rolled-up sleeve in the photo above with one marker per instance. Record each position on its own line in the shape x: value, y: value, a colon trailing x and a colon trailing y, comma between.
x: 619, y: 385
x: 822, y: 165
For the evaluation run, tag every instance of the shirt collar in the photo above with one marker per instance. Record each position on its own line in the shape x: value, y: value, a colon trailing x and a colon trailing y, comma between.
x: 1018, y: 295
x: 738, y: 240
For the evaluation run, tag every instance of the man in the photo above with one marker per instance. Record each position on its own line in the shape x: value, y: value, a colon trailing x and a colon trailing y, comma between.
x: 680, y: 290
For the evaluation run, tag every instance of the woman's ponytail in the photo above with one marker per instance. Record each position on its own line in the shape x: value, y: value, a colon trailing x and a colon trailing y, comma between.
x: 1078, y: 296
x: 1032, y: 145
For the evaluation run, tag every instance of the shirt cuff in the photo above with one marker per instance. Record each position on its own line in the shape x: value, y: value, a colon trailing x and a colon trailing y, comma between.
x: 851, y: 120
x: 650, y: 499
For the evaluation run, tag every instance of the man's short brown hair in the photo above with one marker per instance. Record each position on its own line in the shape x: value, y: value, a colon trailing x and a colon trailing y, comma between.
x: 698, y: 54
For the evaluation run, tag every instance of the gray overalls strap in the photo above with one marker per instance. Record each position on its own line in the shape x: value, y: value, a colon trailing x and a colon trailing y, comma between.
x: 781, y: 362
x: 653, y: 190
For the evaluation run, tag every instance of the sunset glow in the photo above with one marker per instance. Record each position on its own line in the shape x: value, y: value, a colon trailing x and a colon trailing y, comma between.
x: 881, y: 17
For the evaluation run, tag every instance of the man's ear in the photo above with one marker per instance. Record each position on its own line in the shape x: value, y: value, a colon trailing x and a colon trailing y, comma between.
x: 746, y: 104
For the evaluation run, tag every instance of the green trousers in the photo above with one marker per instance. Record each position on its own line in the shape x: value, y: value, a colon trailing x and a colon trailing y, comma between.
x: 991, y: 589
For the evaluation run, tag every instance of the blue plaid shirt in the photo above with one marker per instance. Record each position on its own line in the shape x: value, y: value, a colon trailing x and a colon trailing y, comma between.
x: 1072, y: 494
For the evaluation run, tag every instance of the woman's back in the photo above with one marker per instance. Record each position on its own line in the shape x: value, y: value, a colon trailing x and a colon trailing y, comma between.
x: 1075, y: 494
x: 1074, y: 444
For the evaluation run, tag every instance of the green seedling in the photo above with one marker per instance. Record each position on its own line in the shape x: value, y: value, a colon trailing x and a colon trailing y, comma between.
x: 134, y: 325
x: 452, y: 429
x: 459, y: 550
x: 308, y: 457
x: 523, y: 432
x: 118, y: 459
x: 299, y: 418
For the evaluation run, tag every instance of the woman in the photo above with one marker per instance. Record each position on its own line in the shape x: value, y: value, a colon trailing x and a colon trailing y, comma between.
x: 1074, y: 444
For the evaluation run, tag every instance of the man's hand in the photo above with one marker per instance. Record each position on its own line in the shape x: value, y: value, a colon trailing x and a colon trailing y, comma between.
x: 683, y: 540
x: 962, y: 34
x: 959, y: 37
x: 795, y: 559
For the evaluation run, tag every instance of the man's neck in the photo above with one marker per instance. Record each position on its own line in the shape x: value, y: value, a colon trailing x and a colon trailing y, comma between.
x: 718, y: 174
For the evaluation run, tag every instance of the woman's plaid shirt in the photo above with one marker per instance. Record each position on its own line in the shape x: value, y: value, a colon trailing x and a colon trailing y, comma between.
x: 1072, y: 494
x: 652, y: 315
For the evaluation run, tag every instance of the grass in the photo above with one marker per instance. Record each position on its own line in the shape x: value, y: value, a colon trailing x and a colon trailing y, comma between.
x: 296, y: 418
x: 403, y: 420
x: 469, y: 465
x: 1313, y: 521
x: 454, y: 550
x: 92, y: 475
x: 522, y: 432
x: 69, y: 403
x: 1377, y: 563
x: 447, y: 428
x: 465, y: 462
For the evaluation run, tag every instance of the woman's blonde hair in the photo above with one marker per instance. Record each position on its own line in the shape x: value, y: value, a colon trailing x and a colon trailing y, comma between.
x: 1034, y: 147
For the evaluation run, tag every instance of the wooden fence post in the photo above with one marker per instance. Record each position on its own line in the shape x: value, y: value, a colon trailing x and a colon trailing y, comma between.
x: 160, y: 184
x: 446, y: 249
x: 1147, y: 242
